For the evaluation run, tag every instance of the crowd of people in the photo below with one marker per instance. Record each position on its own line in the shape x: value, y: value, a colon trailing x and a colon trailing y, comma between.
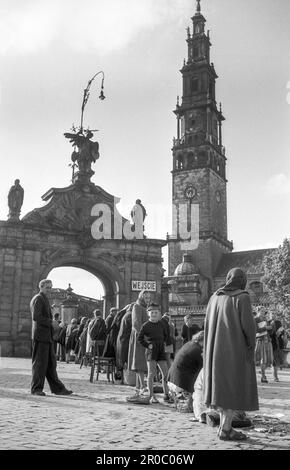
x: 212, y: 375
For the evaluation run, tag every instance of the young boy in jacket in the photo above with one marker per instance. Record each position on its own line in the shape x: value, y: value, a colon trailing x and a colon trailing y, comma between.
x: 153, y: 336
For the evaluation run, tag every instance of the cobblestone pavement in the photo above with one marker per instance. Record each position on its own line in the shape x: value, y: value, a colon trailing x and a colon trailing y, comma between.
x: 97, y: 417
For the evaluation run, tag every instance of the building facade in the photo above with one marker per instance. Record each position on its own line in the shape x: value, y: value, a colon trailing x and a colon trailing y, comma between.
x: 82, y: 306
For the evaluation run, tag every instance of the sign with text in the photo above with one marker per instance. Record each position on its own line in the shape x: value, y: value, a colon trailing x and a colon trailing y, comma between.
x: 146, y: 285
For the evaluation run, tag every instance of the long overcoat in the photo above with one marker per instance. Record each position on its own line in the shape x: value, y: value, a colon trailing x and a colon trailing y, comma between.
x: 123, y: 339
x: 136, y: 355
x: 229, y: 368
x: 110, y: 349
x: 41, y: 319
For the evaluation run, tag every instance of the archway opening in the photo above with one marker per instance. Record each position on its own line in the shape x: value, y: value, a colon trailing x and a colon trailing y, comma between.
x: 76, y: 291
x: 82, y: 281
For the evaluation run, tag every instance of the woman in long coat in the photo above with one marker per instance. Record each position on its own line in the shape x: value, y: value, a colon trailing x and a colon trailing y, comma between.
x: 112, y: 330
x: 83, y: 341
x: 78, y: 334
x: 263, y: 349
x: 124, y: 338
x: 229, y: 368
x: 136, y: 355
x: 278, y: 346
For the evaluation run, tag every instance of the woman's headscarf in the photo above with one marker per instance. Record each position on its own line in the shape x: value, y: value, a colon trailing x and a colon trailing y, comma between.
x: 236, y: 279
x: 141, y: 297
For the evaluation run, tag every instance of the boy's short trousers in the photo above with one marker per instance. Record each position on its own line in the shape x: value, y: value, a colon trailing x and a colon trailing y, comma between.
x: 157, y: 353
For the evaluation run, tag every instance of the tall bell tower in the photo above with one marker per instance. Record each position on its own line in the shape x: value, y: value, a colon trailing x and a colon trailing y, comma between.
x: 199, y: 160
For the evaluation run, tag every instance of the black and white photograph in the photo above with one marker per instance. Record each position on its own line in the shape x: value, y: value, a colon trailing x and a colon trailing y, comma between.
x: 144, y: 228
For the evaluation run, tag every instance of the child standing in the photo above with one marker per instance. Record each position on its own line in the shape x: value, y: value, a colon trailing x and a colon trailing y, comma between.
x: 153, y: 336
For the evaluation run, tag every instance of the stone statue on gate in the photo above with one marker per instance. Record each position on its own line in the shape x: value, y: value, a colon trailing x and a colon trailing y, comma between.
x: 15, y: 200
x: 87, y: 151
x: 138, y: 214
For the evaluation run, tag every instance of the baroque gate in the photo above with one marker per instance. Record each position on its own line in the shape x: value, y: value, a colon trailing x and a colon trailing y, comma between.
x: 61, y: 234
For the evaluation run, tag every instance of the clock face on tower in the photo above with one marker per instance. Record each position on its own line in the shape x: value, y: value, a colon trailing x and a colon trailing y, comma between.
x: 190, y: 192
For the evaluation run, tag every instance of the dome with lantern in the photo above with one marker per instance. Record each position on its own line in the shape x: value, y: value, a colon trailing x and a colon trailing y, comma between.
x: 186, y: 268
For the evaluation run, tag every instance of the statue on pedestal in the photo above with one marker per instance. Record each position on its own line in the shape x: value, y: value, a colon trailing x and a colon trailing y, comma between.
x: 138, y: 214
x: 87, y: 153
x: 15, y: 200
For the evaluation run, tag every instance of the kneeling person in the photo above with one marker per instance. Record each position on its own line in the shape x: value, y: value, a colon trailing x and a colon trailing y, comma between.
x: 153, y: 336
x: 184, y: 371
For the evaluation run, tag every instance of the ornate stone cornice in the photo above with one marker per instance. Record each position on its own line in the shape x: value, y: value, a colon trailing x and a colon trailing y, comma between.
x: 69, y: 209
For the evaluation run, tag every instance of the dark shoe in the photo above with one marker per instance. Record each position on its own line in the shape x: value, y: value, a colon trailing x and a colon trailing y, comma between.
x: 264, y: 380
x: 243, y: 423
x: 63, y: 392
x: 202, y: 418
x: 232, y: 435
x: 138, y: 400
x: 153, y: 399
x: 39, y: 393
x: 157, y: 388
x: 212, y: 420
x: 167, y: 398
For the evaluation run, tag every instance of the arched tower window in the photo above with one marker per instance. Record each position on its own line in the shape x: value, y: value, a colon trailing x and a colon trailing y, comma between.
x: 190, y: 161
x: 194, y: 85
x: 179, y: 162
x: 202, y: 157
x: 195, y: 52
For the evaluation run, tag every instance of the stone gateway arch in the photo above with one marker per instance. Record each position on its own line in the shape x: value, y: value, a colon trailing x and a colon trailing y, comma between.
x: 60, y: 234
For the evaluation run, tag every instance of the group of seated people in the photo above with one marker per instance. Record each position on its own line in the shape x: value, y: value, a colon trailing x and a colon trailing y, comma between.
x: 77, y: 338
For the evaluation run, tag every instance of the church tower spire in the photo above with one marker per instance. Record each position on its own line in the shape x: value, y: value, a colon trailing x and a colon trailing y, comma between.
x: 198, y: 8
x: 199, y: 160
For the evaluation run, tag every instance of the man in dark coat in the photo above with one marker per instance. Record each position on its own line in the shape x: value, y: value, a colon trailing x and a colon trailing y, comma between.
x: 229, y: 368
x: 97, y: 331
x: 110, y: 318
x: 112, y: 334
x: 43, y: 355
x: 189, y: 328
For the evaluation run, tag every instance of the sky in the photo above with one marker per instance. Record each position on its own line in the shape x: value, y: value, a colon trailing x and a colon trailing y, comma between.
x: 49, y: 49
